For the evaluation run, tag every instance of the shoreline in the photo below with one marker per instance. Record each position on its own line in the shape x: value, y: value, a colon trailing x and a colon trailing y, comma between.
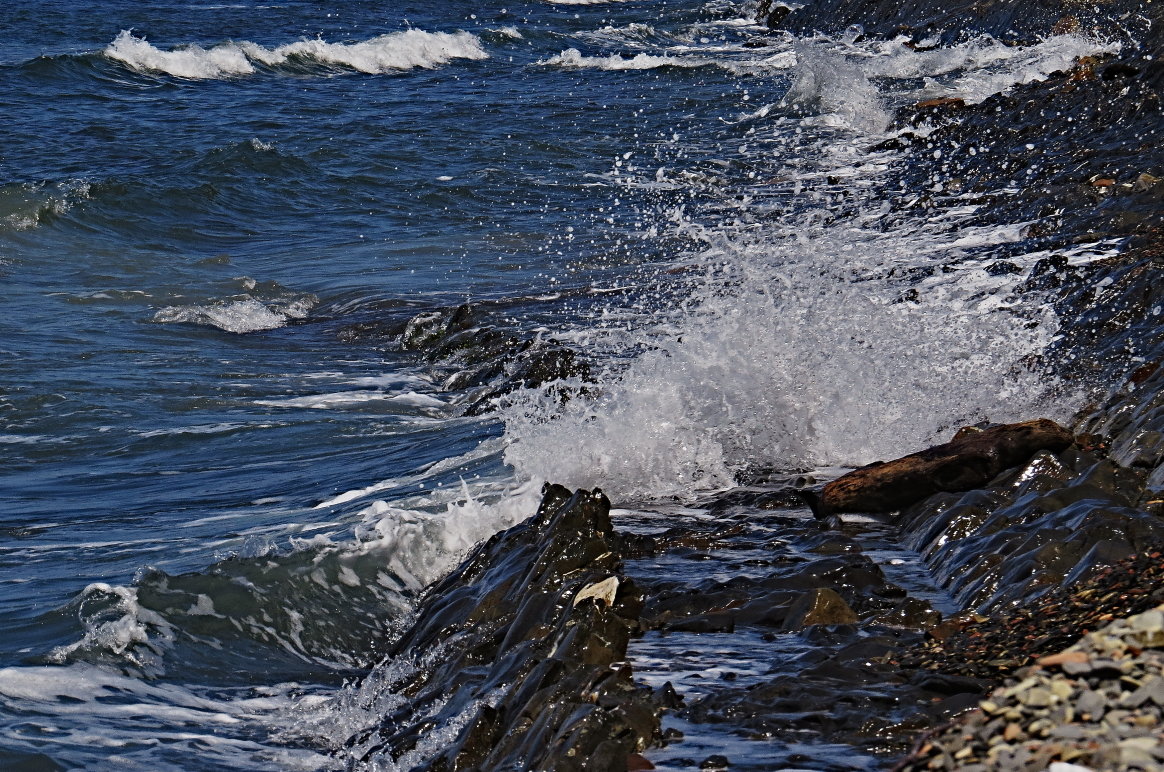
x: 540, y: 634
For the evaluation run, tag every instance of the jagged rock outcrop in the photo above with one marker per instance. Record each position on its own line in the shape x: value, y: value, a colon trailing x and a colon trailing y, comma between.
x: 526, y: 636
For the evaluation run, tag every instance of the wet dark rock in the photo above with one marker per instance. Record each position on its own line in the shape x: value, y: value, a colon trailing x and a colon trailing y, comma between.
x: 1003, y: 268
x: 820, y: 606
x: 772, y: 13
x: 1053, y: 521
x: 783, y: 498
x: 474, y: 357
x: 971, y: 459
x: 427, y: 329
x: 911, y: 613
x: 530, y: 630
x: 534, y: 364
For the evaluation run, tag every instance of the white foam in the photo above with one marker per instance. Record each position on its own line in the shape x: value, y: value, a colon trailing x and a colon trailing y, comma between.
x: 1025, y: 65
x: 115, y: 623
x: 393, y: 52
x: 983, y: 66
x: 483, y: 450
x: 27, y: 206
x: 513, y: 33
x: 246, y: 314
x: 121, y: 721
x: 572, y: 58
x: 194, y: 62
x: 423, y: 546
x: 854, y: 86
x: 348, y: 398
x: 828, y: 83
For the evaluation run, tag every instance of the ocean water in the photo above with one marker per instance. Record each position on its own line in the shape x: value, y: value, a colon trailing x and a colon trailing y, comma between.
x: 216, y: 506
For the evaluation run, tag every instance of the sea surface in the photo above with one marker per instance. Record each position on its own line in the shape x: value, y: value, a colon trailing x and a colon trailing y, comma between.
x: 216, y: 507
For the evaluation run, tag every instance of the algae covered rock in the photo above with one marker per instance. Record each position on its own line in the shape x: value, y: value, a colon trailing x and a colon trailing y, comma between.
x: 820, y: 606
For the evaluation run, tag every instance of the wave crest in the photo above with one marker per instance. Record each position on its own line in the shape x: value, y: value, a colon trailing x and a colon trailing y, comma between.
x: 393, y: 52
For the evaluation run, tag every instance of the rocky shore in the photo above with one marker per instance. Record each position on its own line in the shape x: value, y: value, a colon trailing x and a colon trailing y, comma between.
x: 1095, y: 705
x: 1030, y: 640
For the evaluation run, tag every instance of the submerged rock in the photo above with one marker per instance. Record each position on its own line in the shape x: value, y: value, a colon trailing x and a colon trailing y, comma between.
x: 970, y: 460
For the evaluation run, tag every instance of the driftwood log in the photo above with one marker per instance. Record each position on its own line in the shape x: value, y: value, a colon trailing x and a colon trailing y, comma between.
x: 970, y: 460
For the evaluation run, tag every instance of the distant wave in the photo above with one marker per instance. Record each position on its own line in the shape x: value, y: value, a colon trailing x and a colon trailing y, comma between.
x: 572, y: 58
x: 393, y: 52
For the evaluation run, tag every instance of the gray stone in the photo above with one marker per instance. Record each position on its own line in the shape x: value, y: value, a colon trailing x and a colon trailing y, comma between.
x: 1092, y: 703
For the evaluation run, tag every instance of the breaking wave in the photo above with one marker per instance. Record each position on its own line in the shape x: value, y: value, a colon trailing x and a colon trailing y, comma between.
x: 393, y: 52
x: 27, y: 206
x: 812, y: 340
x: 332, y: 599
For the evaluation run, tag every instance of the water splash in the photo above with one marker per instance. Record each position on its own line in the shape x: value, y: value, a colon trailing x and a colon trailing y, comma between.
x: 800, y: 351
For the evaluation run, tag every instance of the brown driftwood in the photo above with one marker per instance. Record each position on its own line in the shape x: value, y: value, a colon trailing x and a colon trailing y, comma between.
x: 970, y: 460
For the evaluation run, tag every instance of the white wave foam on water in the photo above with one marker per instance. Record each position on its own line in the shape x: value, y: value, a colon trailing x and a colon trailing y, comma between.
x: 838, y: 89
x: 116, y: 624
x: 194, y: 62
x: 124, y: 722
x: 1023, y: 65
x: 852, y: 87
x: 483, y: 450
x: 393, y: 52
x: 348, y: 398
x: 376, y: 565
x: 973, y: 70
x: 426, y: 546
x: 572, y: 58
x: 239, y: 315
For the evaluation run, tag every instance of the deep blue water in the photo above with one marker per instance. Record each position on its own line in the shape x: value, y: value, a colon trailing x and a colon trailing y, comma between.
x: 196, y: 199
